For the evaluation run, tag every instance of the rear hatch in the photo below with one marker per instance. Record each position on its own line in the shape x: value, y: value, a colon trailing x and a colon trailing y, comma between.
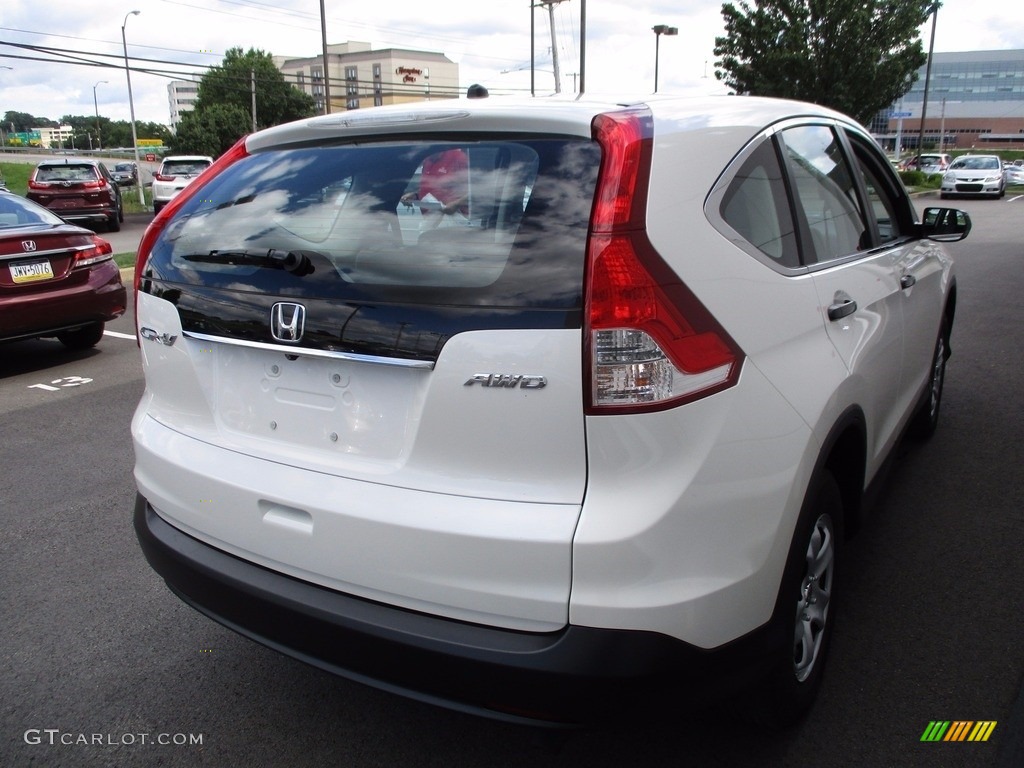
x: 401, y: 312
x: 68, y: 187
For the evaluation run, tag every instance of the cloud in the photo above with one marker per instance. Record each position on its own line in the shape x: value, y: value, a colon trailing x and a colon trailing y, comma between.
x: 490, y: 41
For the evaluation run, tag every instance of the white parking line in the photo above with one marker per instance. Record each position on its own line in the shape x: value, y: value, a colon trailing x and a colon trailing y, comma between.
x: 120, y: 335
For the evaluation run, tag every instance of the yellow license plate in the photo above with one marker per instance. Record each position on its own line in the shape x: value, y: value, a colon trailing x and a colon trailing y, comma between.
x: 31, y: 271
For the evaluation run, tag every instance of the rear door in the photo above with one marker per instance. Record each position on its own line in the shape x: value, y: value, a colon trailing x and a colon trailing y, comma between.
x: 857, y: 282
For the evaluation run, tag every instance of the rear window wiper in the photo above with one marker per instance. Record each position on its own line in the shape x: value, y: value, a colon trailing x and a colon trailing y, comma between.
x: 297, y: 262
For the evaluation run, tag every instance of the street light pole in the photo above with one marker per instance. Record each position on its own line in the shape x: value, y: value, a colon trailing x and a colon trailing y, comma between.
x: 3, y: 141
x: 659, y: 30
x: 131, y: 103
x: 99, y: 139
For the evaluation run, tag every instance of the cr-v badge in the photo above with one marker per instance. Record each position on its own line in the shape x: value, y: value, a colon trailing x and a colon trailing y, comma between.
x: 287, y: 321
x: 167, y: 339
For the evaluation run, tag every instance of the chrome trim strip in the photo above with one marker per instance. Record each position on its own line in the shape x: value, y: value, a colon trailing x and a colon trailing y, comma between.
x: 396, y: 362
x: 72, y: 249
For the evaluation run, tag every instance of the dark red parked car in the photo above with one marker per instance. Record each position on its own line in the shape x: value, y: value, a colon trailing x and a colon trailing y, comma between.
x: 56, y: 279
x: 79, y: 190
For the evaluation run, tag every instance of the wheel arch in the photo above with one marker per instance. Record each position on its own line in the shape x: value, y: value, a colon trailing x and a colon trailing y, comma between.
x: 949, y: 311
x: 844, y: 456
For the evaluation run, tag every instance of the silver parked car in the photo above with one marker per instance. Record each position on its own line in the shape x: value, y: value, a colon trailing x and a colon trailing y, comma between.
x: 974, y: 176
x: 1013, y: 175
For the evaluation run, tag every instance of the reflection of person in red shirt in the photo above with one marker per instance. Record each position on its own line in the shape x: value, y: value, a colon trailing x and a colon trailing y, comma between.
x: 445, y: 178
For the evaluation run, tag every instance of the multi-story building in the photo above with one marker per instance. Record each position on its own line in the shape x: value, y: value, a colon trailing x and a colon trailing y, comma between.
x: 53, y: 137
x: 181, y: 97
x: 360, y: 77
x: 975, y: 100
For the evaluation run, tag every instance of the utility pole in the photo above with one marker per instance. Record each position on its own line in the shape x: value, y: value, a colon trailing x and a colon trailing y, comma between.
x: 927, y: 81
x: 327, y: 76
x: 252, y: 91
x: 550, y: 5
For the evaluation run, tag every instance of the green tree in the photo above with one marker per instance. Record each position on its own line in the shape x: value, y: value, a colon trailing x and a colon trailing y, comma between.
x: 211, y: 130
x: 235, y: 80
x: 223, y: 110
x: 855, y: 56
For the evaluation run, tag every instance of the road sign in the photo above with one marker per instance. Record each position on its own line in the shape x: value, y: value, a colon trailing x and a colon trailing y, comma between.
x: 902, y: 114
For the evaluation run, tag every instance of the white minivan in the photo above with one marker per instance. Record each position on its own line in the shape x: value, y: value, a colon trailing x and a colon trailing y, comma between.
x: 536, y: 408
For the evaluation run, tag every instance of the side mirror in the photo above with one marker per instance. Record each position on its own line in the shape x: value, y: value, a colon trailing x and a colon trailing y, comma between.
x: 945, y: 225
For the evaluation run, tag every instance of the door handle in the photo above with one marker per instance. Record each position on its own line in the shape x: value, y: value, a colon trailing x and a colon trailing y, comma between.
x: 842, y: 308
x: 907, y: 281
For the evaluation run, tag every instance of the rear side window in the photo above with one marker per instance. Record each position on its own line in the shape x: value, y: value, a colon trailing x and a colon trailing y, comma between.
x: 756, y: 206
x: 499, y: 223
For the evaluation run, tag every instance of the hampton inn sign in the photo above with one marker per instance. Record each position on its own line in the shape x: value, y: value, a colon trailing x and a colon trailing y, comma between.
x: 409, y: 74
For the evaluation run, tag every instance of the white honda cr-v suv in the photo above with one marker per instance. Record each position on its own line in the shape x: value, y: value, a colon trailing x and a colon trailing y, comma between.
x: 503, y: 404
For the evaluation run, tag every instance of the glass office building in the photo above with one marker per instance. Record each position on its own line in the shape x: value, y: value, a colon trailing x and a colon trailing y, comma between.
x: 975, y: 100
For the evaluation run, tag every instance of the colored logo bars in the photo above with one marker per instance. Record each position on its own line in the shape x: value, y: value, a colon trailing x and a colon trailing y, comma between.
x: 958, y: 730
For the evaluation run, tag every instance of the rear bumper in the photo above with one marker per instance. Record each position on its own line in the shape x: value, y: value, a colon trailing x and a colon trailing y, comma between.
x: 100, y: 297
x: 574, y: 675
x: 98, y: 216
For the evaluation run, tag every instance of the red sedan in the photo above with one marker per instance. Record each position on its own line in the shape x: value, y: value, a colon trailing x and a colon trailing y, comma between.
x: 56, y: 279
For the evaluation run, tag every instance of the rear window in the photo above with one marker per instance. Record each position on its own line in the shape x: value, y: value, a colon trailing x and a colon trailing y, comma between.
x: 66, y: 172
x: 184, y: 167
x: 15, y: 212
x: 485, y: 223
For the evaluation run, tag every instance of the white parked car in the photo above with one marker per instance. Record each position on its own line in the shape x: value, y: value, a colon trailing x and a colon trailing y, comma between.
x: 594, y: 427
x: 176, y: 172
x: 974, y: 176
x: 1013, y: 175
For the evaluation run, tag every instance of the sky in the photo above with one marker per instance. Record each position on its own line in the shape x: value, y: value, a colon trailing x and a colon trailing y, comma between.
x: 489, y: 40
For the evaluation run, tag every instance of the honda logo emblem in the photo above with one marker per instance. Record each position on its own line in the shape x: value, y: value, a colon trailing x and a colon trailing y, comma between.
x: 28, y: 245
x: 287, y: 321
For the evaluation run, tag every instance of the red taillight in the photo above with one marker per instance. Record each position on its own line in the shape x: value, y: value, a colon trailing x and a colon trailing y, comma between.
x: 163, y: 177
x: 33, y: 184
x: 651, y: 344
x: 101, y: 250
x: 233, y: 155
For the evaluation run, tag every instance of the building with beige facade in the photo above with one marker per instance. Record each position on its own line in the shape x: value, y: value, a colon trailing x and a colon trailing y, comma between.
x: 361, y: 77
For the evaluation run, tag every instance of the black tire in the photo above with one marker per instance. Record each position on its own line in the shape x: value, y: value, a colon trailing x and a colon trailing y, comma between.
x: 926, y: 418
x: 114, y: 223
x: 157, y: 207
x: 805, y: 610
x: 82, y: 338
